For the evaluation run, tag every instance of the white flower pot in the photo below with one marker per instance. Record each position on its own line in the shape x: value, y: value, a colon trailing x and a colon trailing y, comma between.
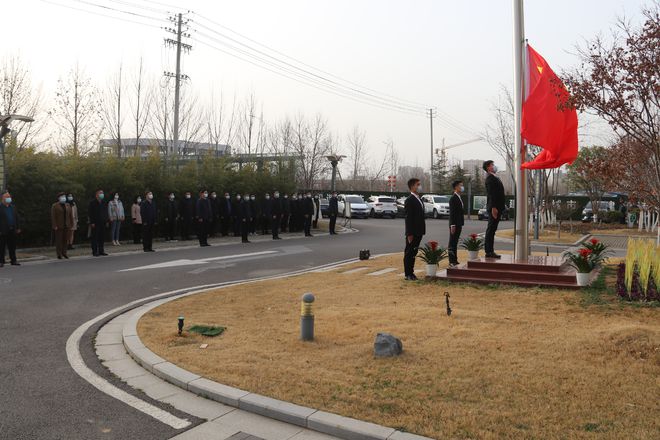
x: 473, y: 255
x: 431, y: 270
x: 583, y: 278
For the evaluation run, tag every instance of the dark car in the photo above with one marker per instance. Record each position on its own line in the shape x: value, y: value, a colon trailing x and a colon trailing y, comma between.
x: 483, y: 214
x: 325, y: 203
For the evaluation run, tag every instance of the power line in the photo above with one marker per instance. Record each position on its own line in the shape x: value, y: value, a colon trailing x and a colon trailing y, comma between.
x: 99, y: 13
x: 138, y: 6
x: 110, y: 8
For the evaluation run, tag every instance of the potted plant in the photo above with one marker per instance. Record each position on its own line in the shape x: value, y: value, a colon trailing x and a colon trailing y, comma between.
x: 583, y: 262
x: 432, y: 254
x: 599, y: 250
x: 473, y: 244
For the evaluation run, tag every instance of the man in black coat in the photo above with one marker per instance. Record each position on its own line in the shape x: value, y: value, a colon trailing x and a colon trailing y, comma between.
x: 494, y: 206
x: 187, y: 214
x: 308, y: 213
x: 226, y: 214
x: 10, y: 227
x: 286, y: 212
x: 149, y: 215
x: 276, y: 215
x: 266, y: 208
x: 204, y: 213
x: 333, y: 211
x: 244, y: 215
x: 415, y: 227
x: 97, y: 212
x: 456, y: 221
x: 215, y: 214
x: 171, y: 217
x: 236, y: 208
x: 293, y: 213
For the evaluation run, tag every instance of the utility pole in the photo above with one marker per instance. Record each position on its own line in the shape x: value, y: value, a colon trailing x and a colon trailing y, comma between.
x: 431, y: 116
x: 178, y: 76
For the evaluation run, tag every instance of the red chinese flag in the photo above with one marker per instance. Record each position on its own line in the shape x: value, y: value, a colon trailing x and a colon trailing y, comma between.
x: 547, y: 120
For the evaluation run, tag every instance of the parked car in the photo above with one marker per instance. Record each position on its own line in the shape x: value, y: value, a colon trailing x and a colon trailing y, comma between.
x: 436, y: 206
x: 588, y: 212
x: 359, y: 208
x: 483, y: 214
x: 401, y: 206
x: 325, y: 204
x: 382, y: 206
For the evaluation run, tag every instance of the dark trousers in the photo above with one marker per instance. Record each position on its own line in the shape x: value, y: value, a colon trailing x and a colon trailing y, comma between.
x: 224, y: 226
x: 213, y: 227
x: 186, y: 228
x: 245, y: 229
x: 490, y: 233
x: 452, y: 248
x: 285, y: 222
x: 98, y: 239
x: 170, y: 229
x: 8, y: 241
x: 333, y: 222
x: 275, y: 226
x: 238, y: 226
x: 308, y: 225
x: 266, y: 223
x: 203, y: 231
x: 137, y: 233
x: 61, y: 236
x: 409, y: 255
x: 147, y: 236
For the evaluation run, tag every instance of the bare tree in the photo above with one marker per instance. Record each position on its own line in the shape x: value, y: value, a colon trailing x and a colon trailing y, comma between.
x: 191, y: 123
x: 500, y: 134
x: 311, y: 144
x: 140, y: 105
x: 357, y: 147
x: 160, y: 122
x: 113, y: 116
x: 77, y: 113
x: 247, y: 131
x: 17, y: 95
x: 216, y: 122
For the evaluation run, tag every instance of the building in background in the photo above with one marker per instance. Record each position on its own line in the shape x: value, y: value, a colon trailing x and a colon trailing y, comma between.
x: 132, y: 147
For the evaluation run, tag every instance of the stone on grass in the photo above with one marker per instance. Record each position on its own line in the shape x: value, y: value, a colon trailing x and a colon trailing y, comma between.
x: 387, y: 345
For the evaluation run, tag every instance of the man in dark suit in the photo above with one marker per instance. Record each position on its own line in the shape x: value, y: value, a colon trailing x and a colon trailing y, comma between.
x: 244, y: 215
x: 276, y: 215
x: 494, y: 206
x: 307, y: 206
x: 171, y: 217
x: 456, y: 221
x: 204, y: 213
x: 226, y: 214
x: 149, y: 215
x: 98, y: 221
x: 265, y: 212
x: 415, y: 227
x: 333, y: 210
x: 286, y: 211
x: 215, y: 210
x: 186, y: 214
x: 9, y: 230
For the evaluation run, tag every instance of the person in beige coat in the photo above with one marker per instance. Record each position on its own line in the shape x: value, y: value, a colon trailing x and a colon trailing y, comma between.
x: 61, y: 220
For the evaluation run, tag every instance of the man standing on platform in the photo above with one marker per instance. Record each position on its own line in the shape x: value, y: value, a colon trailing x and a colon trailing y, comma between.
x: 456, y: 221
x: 415, y: 227
x: 494, y: 206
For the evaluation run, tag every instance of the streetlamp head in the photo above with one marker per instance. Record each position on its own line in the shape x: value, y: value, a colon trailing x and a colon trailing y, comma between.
x: 6, y: 119
x: 335, y: 157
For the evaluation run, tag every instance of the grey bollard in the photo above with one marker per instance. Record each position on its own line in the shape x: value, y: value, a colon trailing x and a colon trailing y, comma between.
x: 307, y: 318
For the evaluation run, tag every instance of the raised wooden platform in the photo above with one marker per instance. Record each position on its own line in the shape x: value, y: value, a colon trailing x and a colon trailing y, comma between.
x: 536, y: 271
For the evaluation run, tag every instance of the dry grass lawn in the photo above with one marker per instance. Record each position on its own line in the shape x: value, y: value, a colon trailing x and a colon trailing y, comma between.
x: 546, y: 236
x: 509, y: 363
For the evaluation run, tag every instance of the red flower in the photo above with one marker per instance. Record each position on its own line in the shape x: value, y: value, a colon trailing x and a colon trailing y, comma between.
x: 473, y: 236
x: 594, y: 241
x: 433, y: 244
x: 584, y: 253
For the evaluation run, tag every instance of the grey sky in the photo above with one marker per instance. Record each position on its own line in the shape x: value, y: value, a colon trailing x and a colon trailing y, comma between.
x: 450, y: 54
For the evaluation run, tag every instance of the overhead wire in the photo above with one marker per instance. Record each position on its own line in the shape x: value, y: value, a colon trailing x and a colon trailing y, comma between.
x: 55, y: 3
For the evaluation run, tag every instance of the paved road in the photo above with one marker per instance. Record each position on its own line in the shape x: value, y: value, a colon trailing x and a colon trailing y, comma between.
x: 42, y: 303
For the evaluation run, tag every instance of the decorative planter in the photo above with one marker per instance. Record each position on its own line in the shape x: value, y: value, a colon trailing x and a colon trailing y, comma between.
x: 431, y: 270
x: 473, y: 255
x: 583, y: 278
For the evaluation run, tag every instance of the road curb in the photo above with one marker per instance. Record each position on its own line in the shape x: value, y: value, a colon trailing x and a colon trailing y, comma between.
x: 310, y: 418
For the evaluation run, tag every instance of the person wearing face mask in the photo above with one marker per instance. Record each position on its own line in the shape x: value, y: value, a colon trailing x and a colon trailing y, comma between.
x: 293, y: 216
x: 286, y: 212
x: 317, y: 211
x: 9, y: 229
x: 137, y: 220
x: 333, y: 211
x: 456, y: 222
x: 254, y: 214
x: 415, y: 227
x: 74, y: 225
x: 204, y: 216
x: 215, y: 214
x: 244, y: 216
x: 265, y: 213
x: 236, y: 219
x: 494, y: 206
x: 308, y: 214
x: 116, y: 216
x: 276, y: 215
x: 61, y: 219
x: 98, y: 221
x: 226, y: 214
x: 171, y: 217
x: 186, y: 214
x: 149, y: 215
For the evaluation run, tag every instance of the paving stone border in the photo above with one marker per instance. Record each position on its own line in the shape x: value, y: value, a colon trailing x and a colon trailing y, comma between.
x: 314, y: 419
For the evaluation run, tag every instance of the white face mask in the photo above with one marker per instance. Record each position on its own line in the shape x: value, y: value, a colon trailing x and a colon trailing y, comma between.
x: 139, y: 200
x: 286, y: 196
x: 494, y: 168
x: 150, y: 196
x: 267, y: 197
x: 70, y: 198
x: 227, y: 197
x: 187, y: 196
x: 419, y: 188
x: 277, y: 195
x: 62, y: 199
x: 116, y: 197
x: 238, y: 197
x: 462, y: 188
x: 251, y: 197
x: 213, y: 196
x: 205, y: 195
x: 171, y: 197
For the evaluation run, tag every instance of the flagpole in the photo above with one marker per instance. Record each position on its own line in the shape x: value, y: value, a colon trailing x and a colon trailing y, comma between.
x: 521, y: 241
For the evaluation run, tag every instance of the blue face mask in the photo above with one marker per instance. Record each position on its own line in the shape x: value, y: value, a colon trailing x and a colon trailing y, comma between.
x: 8, y: 200
x: 101, y: 196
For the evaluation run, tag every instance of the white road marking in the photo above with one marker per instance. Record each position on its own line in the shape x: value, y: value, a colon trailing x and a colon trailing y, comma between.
x: 185, y: 262
x: 357, y: 269
x: 382, y: 271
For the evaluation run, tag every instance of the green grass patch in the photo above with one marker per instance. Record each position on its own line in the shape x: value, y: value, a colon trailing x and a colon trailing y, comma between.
x: 207, y: 330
